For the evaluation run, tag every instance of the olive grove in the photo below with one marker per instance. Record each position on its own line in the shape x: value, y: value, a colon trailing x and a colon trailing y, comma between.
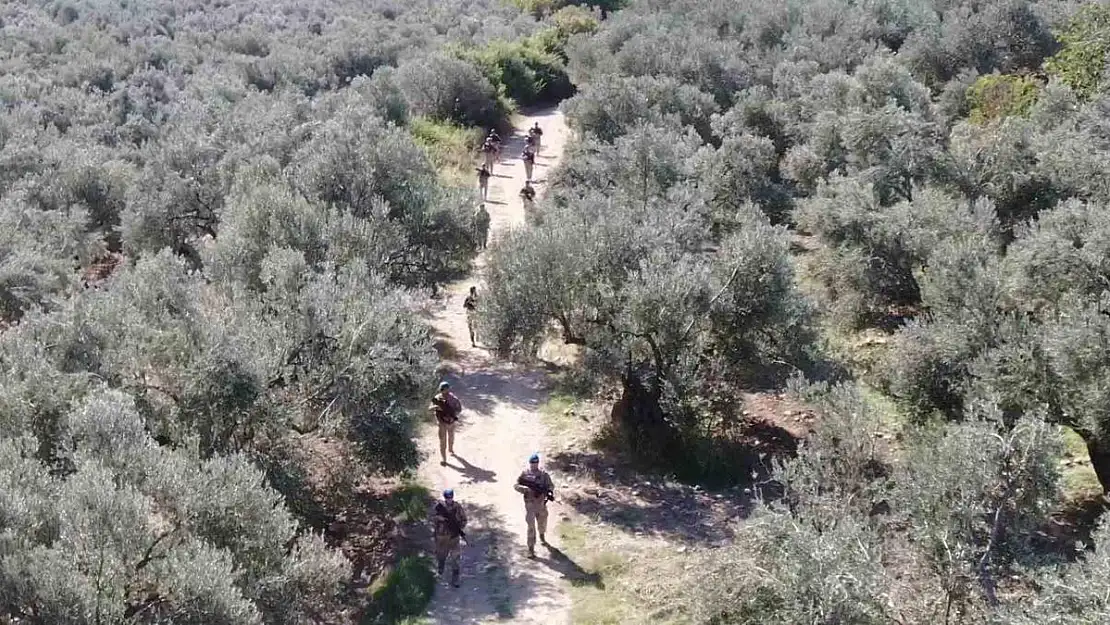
x: 218, y: 226
x: 753, y: 182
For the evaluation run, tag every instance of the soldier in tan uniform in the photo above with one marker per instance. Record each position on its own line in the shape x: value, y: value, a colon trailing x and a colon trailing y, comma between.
x: 481, y: 226
x: 450, y: 519
x: 447, y: 409
x: 536, y: 486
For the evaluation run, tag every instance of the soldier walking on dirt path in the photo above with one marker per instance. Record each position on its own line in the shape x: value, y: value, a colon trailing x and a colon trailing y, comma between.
x: 489, y: 153
x: 528, y: 196
x: 483, y: 182
x: 481, y: 226
x: 447, y: 409
x: 536, y: 132
x: 536, y: 486
x: 471, y: 306
x: 529, y: 159
x: 450, y: 521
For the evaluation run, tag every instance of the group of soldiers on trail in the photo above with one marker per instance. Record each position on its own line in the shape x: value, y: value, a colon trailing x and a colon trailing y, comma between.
x: 534, y: 484
x: 449, y: 517
x: 491, y: 153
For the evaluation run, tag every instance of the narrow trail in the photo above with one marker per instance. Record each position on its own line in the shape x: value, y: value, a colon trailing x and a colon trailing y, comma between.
x: 499, y: 429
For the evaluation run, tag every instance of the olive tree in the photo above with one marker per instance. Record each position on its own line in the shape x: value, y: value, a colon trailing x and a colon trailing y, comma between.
x: 135, y: 532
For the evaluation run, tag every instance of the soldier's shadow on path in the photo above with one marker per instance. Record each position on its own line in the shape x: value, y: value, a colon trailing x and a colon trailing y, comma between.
x: 492, y: 588
x: 473, y: 474
x: 570, y: 570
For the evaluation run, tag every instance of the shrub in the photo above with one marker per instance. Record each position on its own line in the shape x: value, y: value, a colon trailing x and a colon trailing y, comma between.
x: 522, y: 70
x: 565, y: 23
x: 404, y: 590
x: 613, y: 107
x: 450, y: 89
x: 974, y: 496
x: 450, y: 147
x: 203, y: 541
x: 1081, y: 62
x: 541, y: 8
x: 995, y: 96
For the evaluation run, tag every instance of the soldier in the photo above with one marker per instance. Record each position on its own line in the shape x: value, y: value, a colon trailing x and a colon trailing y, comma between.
x: 450, y: 519
x: 537, y: 133
x: 447, y: 408
x: 528, y: 195
x: 483, y: 182
x: 489, y: 152
x: 481, y: 226
x: 471, y: 306
x: 536, y: 486
x: 495, y: 140
x: 529, y: 159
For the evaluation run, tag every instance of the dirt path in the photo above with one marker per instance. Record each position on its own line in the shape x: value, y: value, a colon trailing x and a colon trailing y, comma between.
x: 500, y: 428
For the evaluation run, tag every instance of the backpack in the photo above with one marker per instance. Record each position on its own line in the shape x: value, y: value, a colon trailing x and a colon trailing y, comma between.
x: 443, y: 411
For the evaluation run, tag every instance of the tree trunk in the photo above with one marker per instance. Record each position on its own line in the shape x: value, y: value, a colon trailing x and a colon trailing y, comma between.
x: 1099, y: 452
x: 639, y: 418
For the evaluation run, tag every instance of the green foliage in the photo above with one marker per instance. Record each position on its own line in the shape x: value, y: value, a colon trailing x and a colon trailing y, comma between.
x: 450, y: 147
x: 565, y: 23
x: 611, y: 108
x: 856, y: 538
x: 446, y: 88
x: 996, y: 96
x: 873, y: 254
x: 633, y: 284
x: 1081, y: 61
x: 524, y: 71
x: 404, y: 591
x: 969, y: 529
x: 132, y: 527
x: 541, y: 8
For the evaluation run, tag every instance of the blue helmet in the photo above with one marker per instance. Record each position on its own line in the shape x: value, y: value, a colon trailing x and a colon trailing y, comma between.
x: 534, y: 458
x: 449, y: 493
x: 443, y: 385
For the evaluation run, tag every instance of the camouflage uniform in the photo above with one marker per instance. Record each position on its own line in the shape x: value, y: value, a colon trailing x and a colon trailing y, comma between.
x: 483, y: 182
x: 470, y: 304
x: 535, y: 505
x: 448, y: 546
x: 528, y: 197
x: 481, y: 225
x: 447, y: 409
x: 529, y: 162
x: 536, y: 133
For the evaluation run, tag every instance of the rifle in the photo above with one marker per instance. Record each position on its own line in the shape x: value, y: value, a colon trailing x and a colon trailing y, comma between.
x: 536, y: 488
x: 452, y: 521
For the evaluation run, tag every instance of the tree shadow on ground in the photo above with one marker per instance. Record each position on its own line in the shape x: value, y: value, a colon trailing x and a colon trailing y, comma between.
x: 1066, y: 534
x: 650, y: 505
x: 570, y: 570
x: 482, y: 391
x: 471, y: 473
x: 489, y: 587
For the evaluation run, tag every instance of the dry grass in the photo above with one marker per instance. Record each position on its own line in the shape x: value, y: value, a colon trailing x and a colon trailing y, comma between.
x: 638, y: 580
x: 1078, y: 478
